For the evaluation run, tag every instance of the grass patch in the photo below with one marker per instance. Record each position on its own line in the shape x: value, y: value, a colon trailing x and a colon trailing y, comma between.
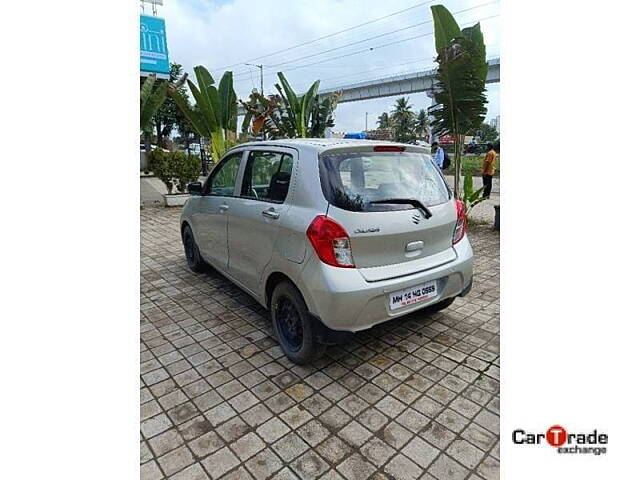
x: 473, y: 163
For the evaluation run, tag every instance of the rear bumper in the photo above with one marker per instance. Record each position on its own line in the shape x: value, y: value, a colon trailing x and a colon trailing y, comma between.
x: 346, y: 302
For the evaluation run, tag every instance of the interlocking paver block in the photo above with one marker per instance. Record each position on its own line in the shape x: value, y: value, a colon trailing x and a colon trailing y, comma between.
x: 206, y: 444
x: 420, y: 452
x: 247, y: 446
x: 356, y: 467
x: 176, y: 460
x: 377, y: 451
x: 465, y: 453
x: 194, y: 472
x: 155, y: 425
x: 333, y: 449
x: 309, y: 466
x: 290, y: 446
x: 415, y: 397
x: 165, y: 442
x: 273, y: 430
x: 264, y: 464
x: 445, y: 468
x: 220, y: 462
x: 354, y: 434
x: 401, y: 468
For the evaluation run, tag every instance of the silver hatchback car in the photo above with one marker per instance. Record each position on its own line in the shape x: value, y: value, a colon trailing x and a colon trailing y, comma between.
x: 330, y: 236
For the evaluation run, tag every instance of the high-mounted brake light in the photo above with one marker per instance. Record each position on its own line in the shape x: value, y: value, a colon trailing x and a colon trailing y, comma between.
x: 461, y: 223
x: 331, y: 242
x: 388, y: 148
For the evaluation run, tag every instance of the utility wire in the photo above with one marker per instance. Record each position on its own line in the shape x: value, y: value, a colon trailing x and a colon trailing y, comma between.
x: 373, y: 38
x: 327, y: 36
x: 369, y: 49
x: 376, y: 36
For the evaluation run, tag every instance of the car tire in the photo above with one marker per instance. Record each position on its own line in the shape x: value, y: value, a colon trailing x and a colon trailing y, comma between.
x: 436, y: 307
x: 192, y: 252
x: 293, y: 325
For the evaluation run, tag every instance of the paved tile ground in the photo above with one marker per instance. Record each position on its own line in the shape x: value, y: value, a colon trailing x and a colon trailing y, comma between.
x: 417, y: 397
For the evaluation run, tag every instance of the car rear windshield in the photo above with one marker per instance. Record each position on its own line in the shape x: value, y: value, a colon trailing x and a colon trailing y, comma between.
x: 352, y: 181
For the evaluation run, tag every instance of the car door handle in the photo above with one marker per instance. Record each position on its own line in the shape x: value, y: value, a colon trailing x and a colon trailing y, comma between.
x: 270, y: 213
x: 224, y: 208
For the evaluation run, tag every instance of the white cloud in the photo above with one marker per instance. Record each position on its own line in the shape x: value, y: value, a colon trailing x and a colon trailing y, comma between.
x: 221, y: 33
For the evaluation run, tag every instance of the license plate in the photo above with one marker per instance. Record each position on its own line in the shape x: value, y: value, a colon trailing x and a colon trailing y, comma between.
x: 412, y: 295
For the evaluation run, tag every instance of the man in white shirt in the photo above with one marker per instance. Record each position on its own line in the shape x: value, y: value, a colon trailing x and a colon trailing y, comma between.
x: 438, y: 154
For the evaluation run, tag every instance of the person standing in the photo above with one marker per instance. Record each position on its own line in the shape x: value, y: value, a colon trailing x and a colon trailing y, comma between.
x: 488, y: 170
x: 438, y: 154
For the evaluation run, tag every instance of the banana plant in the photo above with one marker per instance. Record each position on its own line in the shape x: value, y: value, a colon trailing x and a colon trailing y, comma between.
x: 460, y: 82
x: 470, y: 198
x: 150, y: 101
x: 216, y: 112
x: 298, y: 109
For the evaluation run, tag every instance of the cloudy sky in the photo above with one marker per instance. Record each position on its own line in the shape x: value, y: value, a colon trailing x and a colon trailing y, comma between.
x: 299, y: 38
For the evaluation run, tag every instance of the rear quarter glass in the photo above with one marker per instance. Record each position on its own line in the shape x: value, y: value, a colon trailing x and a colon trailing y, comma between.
x: 352, y: 180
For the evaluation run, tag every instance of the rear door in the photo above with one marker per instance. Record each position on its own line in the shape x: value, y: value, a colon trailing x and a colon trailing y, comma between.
x: 211, y: 218
x: 254, y: 224
x: 358, y: 182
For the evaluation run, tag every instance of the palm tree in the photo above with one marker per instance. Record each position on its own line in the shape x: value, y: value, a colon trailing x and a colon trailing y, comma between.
x: 403, y: 120
x: 422, y: 123
x: 383, y: 121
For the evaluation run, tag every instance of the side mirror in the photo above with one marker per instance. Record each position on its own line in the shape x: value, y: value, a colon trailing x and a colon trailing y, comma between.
x: 195, y: 188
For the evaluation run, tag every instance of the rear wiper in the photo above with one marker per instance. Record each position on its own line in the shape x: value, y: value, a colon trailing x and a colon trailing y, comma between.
x: 407, y: 201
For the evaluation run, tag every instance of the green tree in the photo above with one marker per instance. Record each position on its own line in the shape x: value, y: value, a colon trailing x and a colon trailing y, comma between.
x: 422, y: 123
x: 460, y: 91
x: 383, y: 120
x: 487, y: 133
x: 403, y: 120
x: 215, y: 114
x: 169, y: 116
x: 151, y: 99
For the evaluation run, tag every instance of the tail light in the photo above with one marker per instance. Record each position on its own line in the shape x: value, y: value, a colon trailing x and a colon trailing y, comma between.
x: 331, y: 242
x: 388, y: 148
x: 461, y: 223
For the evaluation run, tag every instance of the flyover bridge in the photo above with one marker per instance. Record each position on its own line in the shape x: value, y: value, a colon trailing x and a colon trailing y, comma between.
x: 400, y: 84
x: 396, y: 85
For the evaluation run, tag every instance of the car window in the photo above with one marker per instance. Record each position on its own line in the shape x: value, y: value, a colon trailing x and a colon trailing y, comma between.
x: 353, y: 181
x: 267, y: 176
x: 223, y: 179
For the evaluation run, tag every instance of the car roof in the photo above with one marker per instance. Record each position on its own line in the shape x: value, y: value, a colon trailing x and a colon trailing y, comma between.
x: 320, y: 144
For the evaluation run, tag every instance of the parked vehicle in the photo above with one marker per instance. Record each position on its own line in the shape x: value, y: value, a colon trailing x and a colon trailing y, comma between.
x: 332, y: 236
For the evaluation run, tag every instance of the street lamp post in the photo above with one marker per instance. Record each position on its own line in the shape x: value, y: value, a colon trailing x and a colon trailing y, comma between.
x: 261, y: 76
x: 262, y: 137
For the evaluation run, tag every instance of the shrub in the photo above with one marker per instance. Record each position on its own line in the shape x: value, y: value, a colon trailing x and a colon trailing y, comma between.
x: 161, y: 167
x: 186, y: 169
x: 174, y: 169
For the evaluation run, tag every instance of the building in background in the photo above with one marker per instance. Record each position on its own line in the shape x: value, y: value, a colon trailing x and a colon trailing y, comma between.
x: 495, y: 123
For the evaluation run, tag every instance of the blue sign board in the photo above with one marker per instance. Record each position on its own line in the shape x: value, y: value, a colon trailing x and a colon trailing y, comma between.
x: 154, y: 56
